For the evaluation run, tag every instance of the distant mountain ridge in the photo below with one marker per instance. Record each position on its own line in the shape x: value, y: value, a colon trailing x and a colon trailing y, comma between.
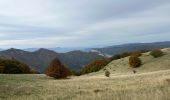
x: 57, y: 49
x: 40, y: 59
x: 117, y: 49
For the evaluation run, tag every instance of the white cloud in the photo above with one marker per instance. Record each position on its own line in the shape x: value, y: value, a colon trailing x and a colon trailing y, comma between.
x: 36, y: 42
x: 49, y: 23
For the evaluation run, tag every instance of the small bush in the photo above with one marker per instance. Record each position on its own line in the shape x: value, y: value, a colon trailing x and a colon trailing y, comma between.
x: 95, y: 66
x: 156, y: 53
x: 168, y: 80
x: 134, y: 61
x: 134, y: 71
x: 107, y: 73
x: 97, y: 91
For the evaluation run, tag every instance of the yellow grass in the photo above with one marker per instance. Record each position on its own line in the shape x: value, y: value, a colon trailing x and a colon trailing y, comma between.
x: 148, y: 86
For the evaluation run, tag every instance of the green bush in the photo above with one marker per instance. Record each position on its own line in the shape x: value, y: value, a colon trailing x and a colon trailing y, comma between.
x: 134, y: 61
x: 156, y: 53
x: 12, y: 66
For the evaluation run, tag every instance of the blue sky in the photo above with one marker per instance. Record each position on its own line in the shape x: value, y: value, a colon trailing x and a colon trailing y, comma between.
x: 82, y: 23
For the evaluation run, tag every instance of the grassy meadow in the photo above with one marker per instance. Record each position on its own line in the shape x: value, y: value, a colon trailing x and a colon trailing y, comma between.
x: 147, y: 86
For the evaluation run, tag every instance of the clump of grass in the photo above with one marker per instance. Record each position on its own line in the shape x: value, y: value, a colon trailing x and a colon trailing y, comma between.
x: 107, y: 73
x: 97, y: 91
x: 168, y: 80
x: 156, y: 53
x: 134, y: 71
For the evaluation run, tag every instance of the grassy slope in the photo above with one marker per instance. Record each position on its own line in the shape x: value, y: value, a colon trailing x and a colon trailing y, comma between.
x: 149, y: 64
x: 148, y: 86
x: 152, y: 82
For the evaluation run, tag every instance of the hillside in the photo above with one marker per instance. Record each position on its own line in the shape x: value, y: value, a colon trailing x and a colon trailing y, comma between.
x: 40, y: 59
x: 146, y: 86
x: 149, y: 64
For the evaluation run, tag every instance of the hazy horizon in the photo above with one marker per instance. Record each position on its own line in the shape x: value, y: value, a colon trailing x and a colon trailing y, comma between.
x: 85, y: 23
x: 77, y: 48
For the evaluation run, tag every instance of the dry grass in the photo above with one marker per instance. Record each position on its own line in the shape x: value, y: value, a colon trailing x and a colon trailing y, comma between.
x: 148, y: 86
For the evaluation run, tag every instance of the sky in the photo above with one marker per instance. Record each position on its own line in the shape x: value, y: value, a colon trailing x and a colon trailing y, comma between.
x: 82, y: 23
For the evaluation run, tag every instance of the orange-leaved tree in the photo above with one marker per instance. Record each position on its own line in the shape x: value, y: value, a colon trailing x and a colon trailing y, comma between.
x: 57, y: 70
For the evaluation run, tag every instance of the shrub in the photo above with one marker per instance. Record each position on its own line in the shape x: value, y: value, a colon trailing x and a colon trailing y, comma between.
x: 12, y: 66
x: 156, y: 53
x: 97, y: 91
x: 107, y: 73
x: 95, y: 66
x: 134, y: 71
x: 57, y: 70
x: 134, y: 61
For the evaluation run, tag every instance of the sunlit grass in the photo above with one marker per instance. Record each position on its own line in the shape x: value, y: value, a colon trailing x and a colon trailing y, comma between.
x: 149, y: 86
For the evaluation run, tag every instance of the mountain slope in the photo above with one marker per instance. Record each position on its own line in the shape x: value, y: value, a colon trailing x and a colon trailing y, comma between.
x: 57, y: 49
x: 78, y: 59
x: 40, y: 59
x: 149, y: 64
